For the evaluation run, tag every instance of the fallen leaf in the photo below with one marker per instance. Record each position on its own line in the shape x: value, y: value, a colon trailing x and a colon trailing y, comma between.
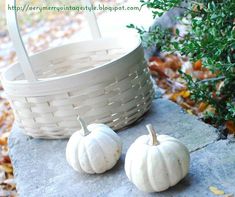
x: 159, y: 69
x: 201, y: 75
x: 175, y: 96
x: 155, y: 59
x: 216, y: 191
x: 186, y: 106
x: 7, y: 168
x: 230, y: 125
x: 210, y: 109
x: 5, y: 159
x: 197, y: 65
x: 185, y: 94
x: 189, y: 111
x: 173, y: 62
x: 202, y: 106
x: 190, y: 102
x: 3, y: 141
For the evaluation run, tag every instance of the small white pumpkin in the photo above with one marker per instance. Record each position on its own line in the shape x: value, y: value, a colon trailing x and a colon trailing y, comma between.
x: 156, y: 162
x: 95, y: 148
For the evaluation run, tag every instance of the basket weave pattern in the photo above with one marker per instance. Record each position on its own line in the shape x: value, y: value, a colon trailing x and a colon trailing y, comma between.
x: 118, y: 103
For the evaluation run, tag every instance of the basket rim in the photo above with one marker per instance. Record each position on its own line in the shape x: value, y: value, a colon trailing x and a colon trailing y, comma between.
x: 13, y: 85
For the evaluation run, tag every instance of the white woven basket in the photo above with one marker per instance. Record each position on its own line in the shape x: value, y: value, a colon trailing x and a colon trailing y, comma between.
x: 104, y: 80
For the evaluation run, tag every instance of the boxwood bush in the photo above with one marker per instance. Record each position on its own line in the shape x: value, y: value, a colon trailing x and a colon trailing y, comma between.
x: 210, y: 39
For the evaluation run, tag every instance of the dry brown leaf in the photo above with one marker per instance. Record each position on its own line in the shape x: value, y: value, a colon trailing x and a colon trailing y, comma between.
x: 5, y: 159
x: 189, y: 111
x: 158, y: 68
x: 7, y: 168
x: 210, y: 109
x: 190, y: 102
x: 202, y: 106
x: 173, y: 62
x: 197, y: 65
x: 174, y: 96
x: 3, y: 141
x: 230, y: 125
x: 216, y: 191
x: 156, y: 60
x: 185, y: 94
x: 186, y: 106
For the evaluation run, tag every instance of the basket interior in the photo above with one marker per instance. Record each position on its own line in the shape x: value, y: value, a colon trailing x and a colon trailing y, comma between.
x: 77, y: 57
x: 76, y: 63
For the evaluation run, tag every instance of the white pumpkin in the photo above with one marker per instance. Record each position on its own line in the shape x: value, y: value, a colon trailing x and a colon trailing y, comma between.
x: 156, y: 162
x: 95, y: 148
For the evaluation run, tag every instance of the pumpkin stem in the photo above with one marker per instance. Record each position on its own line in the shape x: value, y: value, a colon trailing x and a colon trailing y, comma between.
x: 153, y: 135
x: 85, y: 131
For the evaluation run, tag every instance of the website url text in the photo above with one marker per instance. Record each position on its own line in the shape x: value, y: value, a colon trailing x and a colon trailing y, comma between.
x: 100, y: 7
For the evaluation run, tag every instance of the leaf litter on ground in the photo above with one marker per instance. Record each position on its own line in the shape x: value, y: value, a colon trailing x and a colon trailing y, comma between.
x: 165, y: 71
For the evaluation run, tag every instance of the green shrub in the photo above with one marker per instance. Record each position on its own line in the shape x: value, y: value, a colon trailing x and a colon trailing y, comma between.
x: 211, y: 38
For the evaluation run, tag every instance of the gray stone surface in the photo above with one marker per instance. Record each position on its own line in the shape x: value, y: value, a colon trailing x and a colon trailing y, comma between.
x: 41, y: 169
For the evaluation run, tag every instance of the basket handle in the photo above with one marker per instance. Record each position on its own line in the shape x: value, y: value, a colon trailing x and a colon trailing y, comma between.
x: 13, y: 28
x: 92, y: 21
x: 14, y: 32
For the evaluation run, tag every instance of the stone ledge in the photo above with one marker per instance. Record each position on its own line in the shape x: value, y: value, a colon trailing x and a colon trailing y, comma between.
x: 41, y: 169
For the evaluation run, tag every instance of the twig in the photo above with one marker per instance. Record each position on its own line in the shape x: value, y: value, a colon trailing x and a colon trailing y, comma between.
x: 211, y: 79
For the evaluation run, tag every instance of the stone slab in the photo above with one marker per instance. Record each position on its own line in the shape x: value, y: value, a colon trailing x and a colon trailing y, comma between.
x: 213, y: 165
x: 41, y: 169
